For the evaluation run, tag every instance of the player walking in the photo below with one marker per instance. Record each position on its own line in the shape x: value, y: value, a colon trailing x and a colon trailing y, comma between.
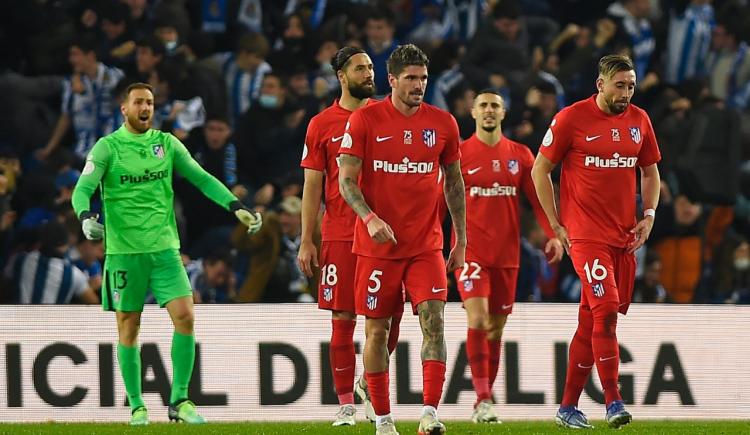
x: 135, y: 166
x: 600, y: 141
x: 390, y: 158
x: 495, y: 169
x: 336, y: 288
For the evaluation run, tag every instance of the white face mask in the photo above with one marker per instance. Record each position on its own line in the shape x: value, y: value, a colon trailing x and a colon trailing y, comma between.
x: 171, y: 45
x: 742, y: 263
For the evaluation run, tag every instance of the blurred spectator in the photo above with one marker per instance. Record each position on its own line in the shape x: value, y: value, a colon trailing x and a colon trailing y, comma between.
x: 431, y: 24
x: 541, y: 106
x: 270, y: 134
x: 149, y: 53
x: 379, y: 44
x: 243, y: 72
x: 323, y: 77
x: 217, y: 154
x: 731, y: 282
x: 274, y: 275
x: 87, y: 256
x: 634, y: 31
x: 212, y: 279
x: 676, y: 237
x: 688, y: 40
x: 117, y: 47
x: 497, y: 57
x: 729, y: 63
x: 44, y: 276
x: 180, y: 116
x: 87, y: 100
x: 293, y: 47
x: 648, y: 287
x: 448, y: 78
x: 171, y: 25
x: 141, y: 19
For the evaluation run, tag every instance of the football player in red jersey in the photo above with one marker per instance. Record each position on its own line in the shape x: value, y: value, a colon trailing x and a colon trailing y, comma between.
x: 495, y: 171
x: 599, y: 142
x: 390, y: 157
x: 336, y: 288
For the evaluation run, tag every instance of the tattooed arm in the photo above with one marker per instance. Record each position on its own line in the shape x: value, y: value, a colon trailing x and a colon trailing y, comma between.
x: 349, y: 169
x: 454, y: 197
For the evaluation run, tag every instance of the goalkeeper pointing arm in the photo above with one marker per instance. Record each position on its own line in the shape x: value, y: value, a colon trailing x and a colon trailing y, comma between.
x: 134, y: 167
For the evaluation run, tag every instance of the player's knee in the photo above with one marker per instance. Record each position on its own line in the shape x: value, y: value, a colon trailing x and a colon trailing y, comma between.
x: 479, y: 321
x: 377, y: 335
x: 605, y: 318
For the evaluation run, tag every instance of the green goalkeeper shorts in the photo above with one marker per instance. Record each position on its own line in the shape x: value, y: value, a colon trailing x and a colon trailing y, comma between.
x: 127, y: 278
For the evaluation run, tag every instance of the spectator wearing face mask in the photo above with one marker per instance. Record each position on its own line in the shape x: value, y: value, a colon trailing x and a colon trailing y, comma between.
x: 732, y: 272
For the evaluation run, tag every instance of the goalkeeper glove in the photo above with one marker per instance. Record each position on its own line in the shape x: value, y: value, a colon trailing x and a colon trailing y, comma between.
x: 251, y: 219
x: 92, y: 229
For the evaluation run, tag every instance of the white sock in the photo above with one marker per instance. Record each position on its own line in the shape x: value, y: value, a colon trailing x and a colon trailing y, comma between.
x: 427, y: 409
x: 379, y: 419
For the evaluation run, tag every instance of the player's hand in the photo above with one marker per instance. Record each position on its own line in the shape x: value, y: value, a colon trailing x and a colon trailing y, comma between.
x: 307, y: 257
x: 251, y: 219
x: 562, y: 236
x: 380, y: 231
x: 92, y: 229
x: 554, y: 250
x: 456, y: 258
x: 641, y: 231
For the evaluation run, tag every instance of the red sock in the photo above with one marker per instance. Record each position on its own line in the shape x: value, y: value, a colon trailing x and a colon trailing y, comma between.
x: 433, y: 378
x: 580, y: 359
x: 393, y: 334
x: 342, y: 359
x: 606, y: 350
x: 477, y: 350
x: 494, y: 360
x: 377, y: 384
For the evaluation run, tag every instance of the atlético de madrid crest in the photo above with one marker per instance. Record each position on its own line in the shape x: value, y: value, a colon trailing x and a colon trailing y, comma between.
x: 158, y: 150
x: 635, y: 134
x: 429, y: 136
x: 513, y: 166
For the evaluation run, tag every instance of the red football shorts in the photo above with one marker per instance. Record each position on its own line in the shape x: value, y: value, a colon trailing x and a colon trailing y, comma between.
x: 607, y: 274
x: 497, y: 284
x: 336, y: 285
x: 380, y: 283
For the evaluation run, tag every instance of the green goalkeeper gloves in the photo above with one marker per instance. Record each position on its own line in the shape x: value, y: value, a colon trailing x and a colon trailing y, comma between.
x: 251, y: 219
x: 92, y: 229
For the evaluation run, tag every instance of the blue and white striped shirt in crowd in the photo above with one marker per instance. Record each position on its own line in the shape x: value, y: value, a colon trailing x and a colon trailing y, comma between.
x: 92, y: 112
x: 641, y: 37
x: 688, y: 43
x: 242, y: 87
x: 192, y: 114
x: 45, y: 280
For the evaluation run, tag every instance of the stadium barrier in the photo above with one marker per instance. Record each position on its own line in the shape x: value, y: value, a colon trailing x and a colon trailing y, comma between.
x: 270, y: 362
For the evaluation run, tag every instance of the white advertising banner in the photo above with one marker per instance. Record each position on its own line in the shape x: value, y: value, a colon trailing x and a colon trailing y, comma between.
x: 270, y: 362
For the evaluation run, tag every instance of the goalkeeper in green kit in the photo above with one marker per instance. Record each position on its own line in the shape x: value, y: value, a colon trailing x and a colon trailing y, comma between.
x: 134, y: 168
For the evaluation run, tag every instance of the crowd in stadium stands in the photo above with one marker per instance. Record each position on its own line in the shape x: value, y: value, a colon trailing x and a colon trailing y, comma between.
x: 238, y: 80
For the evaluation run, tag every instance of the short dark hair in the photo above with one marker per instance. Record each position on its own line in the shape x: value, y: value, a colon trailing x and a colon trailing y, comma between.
x: 406, y: 55
x: 115, y: 13
x: 86, y: 42
x: 134, y: 86
x: 157, y: 47
x: 611, y: 64
x: 380, y: 14
x: 492, y: 91
x: 254, y: 43
x: 509, y: 9
x: 341, y: 58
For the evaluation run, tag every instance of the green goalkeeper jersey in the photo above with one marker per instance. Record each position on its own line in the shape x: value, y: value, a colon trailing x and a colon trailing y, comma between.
x: 135, y: 172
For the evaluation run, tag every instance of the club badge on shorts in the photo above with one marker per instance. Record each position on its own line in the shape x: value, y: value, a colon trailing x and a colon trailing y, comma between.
x: 372, y: 302
x: 327, y: 294
x: 598, y: 289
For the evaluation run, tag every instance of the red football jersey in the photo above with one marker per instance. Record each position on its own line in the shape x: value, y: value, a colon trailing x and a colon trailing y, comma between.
x: 322, y: 141
x: 401, y: 158
x: 494, y: 177
x: 599, y: 154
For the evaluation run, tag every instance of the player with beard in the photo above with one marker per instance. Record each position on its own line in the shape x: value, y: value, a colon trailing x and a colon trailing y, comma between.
x: 599, y: 142
x: 354, y: 70
x: 134, y: 167
x: 390, y: 157
x: 495, y: 170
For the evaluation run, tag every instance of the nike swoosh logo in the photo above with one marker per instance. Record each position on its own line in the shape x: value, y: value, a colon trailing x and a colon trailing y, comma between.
x: 607, y: 358
x: 590, y: 138
x: 336, y: 139
x: 473, y: 171
x: 381, y: 139
x: 584, y: 367
x: 438, y: 290
x: 341, y: 370
x: 505, y: 307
